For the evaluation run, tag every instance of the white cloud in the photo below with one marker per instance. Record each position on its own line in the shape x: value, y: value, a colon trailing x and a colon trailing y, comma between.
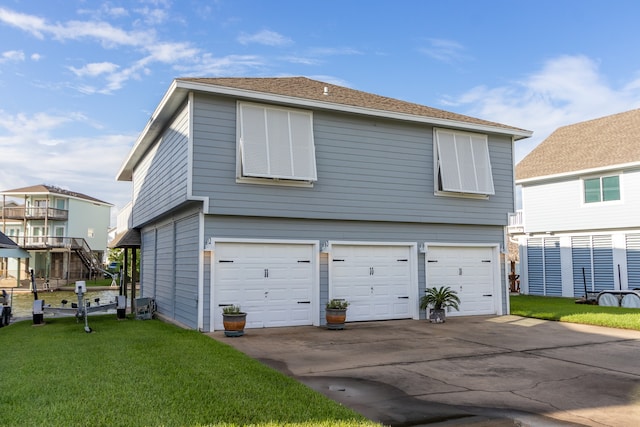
x: 265, y: 37
x: 566, y: 90
x: 443, y: 50
x: 36, y: 57
x: 333, y: 51
x: 95, y: 69
x: 172, y: 52
x: 209, y: 65
x: 12, y: 56
x: 153, y: 16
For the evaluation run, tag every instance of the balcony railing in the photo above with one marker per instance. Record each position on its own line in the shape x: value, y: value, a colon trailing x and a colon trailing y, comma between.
x: 516, y: 222
x: 48, y: 242
x: 20, y: 212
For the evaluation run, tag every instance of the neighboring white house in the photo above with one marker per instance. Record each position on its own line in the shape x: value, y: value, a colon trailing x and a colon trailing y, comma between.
x: 277, y: 194
x: 580, y: 221
x: 65, y: 232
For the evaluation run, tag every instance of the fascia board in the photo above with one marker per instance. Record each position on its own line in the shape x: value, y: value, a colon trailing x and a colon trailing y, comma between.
x: 578, y: 173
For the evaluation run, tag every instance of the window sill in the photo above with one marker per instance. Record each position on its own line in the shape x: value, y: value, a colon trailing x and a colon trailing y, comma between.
x: 461, y: 195
x: 274, y: 181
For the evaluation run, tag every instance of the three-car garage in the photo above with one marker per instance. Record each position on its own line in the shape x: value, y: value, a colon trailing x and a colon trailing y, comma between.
x: 283, y: 283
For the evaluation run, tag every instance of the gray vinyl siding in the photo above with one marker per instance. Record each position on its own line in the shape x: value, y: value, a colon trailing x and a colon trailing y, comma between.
x: 170, y: 265
x: 165, y: 270
x: 160, y: 179
x: 324, y: 230
x: 148, y: 263
x: 186, y: 272
x: 368, y: 169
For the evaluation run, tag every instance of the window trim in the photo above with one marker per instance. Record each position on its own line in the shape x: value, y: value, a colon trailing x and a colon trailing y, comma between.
x: 274, y: 180
x: 437, y: 166
x: 600, y: 179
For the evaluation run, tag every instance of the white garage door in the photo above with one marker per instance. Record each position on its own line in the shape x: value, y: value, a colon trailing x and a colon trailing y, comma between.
x: 467, y: 270
x: 271, y: 282
x: 376, y: 280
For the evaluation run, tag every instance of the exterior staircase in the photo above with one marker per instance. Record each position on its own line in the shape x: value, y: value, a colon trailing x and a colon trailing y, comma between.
x: 84, y: 252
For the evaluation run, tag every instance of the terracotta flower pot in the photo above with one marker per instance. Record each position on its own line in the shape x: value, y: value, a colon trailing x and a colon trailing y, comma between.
x: 234, y: 324
x: 336, y: 318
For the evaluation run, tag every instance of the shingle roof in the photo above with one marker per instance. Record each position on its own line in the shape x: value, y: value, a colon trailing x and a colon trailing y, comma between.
x: 302, y: 87
x: 6, y: 242
x: 49, y: 189
x: 602, y: 142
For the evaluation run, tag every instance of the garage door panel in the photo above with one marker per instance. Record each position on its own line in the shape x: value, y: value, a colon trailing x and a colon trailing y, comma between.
x: 268, y: 281
x: 467, y: 270
x: 371, y: 278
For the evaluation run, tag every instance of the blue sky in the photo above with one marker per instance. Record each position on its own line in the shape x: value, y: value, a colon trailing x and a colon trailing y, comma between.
x: 80, y: 79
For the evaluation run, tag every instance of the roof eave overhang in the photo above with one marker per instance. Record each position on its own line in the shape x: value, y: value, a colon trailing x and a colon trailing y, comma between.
x: 582, y: 172
x: 51, y: 193
x: 179, y: 90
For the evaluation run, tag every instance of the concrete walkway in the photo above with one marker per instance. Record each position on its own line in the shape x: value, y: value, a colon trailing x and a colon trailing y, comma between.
x: 475, y: 371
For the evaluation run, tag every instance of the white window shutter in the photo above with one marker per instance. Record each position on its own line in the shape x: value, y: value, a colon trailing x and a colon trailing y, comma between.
x: 277, y: 143
x: 448, y: 161
x: 464, y: 162
x: 303, y: 153
x: 482, y: 162
x: 253, y: 141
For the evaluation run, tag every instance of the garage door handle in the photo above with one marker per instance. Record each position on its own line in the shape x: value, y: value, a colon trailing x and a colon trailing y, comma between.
x: 487, y: 295
x: 225, y: 305
x: 403, y: 297
x: 304, y: 302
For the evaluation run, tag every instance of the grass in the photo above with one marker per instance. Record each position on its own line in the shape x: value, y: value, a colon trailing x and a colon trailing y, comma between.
x: 146, y: 373
x: 566, y: 310
x: 98, y: 282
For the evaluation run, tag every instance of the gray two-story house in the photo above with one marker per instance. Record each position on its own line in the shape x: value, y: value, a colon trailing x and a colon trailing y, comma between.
x: 277, y: 194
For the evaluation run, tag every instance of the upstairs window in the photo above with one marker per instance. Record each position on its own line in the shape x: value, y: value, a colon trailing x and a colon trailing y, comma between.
x: 462, y: 163
x: 275, y: 143
x: 602, y: 189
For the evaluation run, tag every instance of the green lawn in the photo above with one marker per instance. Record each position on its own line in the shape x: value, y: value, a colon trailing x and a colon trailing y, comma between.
x: 566, y: 310
x: 146, y: 373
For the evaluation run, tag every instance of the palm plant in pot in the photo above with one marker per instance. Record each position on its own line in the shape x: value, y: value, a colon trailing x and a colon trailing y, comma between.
x: 234, y: 320
x: 336, y: 313
x: 439, y: 299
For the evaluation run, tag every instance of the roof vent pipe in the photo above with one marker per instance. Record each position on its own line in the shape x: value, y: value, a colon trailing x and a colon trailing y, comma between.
x: 326, y: 91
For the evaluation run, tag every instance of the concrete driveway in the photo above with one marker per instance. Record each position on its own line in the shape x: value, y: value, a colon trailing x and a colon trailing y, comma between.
x: 479, y: 371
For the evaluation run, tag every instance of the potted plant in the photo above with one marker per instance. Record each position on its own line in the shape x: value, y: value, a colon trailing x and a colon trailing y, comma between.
x: 336, y: 313
x: 438, y: 299
x: 233, y: 320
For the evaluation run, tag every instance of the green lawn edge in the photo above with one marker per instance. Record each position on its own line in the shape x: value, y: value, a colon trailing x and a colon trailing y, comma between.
x: 147, y: 373
x: 567, y: 310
